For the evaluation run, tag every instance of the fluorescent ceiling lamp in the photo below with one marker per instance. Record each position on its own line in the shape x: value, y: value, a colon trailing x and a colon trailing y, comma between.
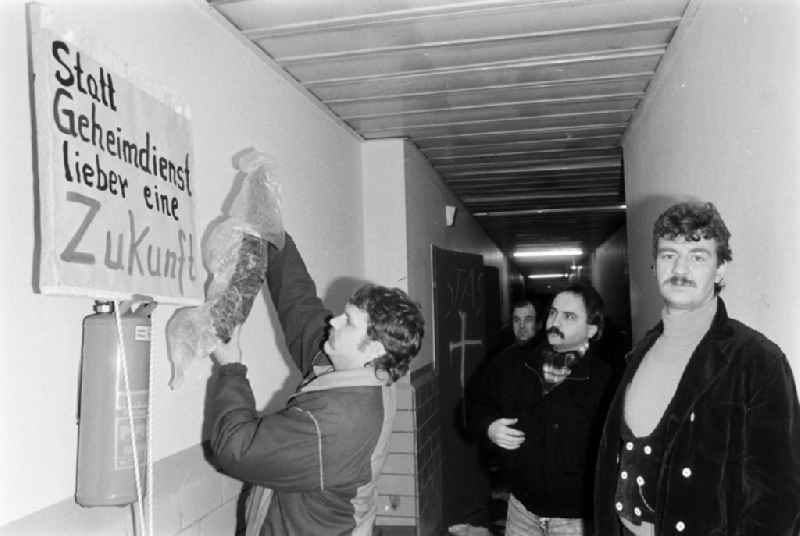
x: 557, y: 252
x: 546, y: 276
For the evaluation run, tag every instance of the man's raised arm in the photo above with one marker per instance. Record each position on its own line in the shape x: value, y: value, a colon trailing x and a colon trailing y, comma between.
x: 302, y: 315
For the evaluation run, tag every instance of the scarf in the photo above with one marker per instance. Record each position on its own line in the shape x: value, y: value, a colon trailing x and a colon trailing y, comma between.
x: 556, y: 366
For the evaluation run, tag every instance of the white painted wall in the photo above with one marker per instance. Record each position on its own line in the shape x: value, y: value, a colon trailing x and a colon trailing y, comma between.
x: 236, y: 102
x: 720, y: 123
x: 385, y: 217
x: 426, y: 197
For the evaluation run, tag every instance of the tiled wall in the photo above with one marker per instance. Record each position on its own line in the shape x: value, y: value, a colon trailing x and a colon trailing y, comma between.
x: 397, y: 487
x: 410, y: 484
x: 191, y: 499
x: 429, y: 453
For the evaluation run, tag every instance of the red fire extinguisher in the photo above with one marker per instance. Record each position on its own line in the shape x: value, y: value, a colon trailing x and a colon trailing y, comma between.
x: 105, y: 473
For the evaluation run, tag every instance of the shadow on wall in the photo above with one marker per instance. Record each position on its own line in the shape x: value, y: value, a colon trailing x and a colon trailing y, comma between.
x: 645, y: 300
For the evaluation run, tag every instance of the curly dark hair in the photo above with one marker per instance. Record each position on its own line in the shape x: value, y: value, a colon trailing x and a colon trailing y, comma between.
x: 593, y: 303
x: 396, y: 322
x: 694, y: 221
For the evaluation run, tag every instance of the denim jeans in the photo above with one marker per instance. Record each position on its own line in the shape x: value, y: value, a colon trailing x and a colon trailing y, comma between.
x: 521, y: 522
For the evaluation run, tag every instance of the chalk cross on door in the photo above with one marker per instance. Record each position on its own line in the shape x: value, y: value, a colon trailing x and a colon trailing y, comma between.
x: 462, y: 345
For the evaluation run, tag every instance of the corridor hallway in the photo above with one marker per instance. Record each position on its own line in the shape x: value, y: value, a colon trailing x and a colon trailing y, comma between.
x: 717, y: 119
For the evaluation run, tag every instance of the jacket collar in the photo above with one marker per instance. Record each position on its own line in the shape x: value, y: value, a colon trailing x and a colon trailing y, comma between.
x: 328, y: 378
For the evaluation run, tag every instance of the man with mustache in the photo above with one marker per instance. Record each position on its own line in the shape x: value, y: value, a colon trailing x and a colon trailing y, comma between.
x: 526, y: 329
x: 544, y: 411
x: 703, y: 434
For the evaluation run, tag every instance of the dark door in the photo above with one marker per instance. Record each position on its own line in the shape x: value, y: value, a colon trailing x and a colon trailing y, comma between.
x: 459, y: 326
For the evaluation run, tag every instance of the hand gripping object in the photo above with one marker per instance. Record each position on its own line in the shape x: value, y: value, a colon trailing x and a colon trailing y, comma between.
x: 235, y: 255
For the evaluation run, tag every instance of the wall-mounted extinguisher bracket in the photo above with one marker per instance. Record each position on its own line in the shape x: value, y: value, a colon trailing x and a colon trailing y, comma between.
x: 140, y: 306
x: 113, y: 414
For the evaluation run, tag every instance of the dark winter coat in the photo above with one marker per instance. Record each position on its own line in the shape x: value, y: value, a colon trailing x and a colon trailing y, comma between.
x: 732, y: 459
x: 551, y: 473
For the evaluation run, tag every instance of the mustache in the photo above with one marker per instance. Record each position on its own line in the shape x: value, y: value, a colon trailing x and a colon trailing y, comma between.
x: 680, y: 281
x: 553, y: 330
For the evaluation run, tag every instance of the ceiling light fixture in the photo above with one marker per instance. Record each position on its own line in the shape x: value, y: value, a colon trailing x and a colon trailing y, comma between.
x: 557, y: 252
x: 546, y: 276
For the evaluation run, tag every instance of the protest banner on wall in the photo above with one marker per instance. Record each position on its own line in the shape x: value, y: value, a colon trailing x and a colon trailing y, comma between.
x: 115, y: 176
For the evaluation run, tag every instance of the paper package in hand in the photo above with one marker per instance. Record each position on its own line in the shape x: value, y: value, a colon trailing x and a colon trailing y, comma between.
x: 235, y: 255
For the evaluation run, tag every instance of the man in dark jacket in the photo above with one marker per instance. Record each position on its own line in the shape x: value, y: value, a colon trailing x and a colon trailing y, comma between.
x: 524, y: 321
x: 314, y: 465
x: 526, y: 328
x: 543, y: 407
x: 703, y: 435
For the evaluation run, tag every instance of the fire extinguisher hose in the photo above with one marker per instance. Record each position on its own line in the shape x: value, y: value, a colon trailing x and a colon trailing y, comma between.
x: 137, y: 476
x: 150, y: 476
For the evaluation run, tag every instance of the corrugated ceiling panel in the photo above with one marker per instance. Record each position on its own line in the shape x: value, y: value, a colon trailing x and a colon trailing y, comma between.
x: 560, y: 143
x: 286, y: 13
x: 495, y: 94
x: 507, y: 156
x: 368, y: 62
x: 463, y: 25
x: 552, y: 69
x: 497, y: 111
x: 541, y: 125
x: 553, y: 134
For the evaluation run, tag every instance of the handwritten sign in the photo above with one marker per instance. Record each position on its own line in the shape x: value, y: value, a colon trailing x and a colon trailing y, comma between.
x: 116, y: 179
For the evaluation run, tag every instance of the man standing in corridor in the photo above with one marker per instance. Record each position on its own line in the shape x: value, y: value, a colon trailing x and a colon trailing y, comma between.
x: 703, y: 435
x: 544, y: 411
x: 524, y: 322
